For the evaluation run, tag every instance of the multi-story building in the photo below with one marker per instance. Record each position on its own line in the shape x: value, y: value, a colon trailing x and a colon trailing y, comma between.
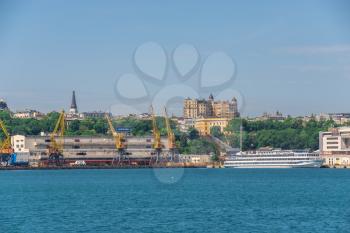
x: 95, y: 114
x: 339, y: 118
x: 335, y: 147
x: 185, y: 123
x: 144, y: 115
x: 28, y: 114
x: 278, y: 116
x: 203, y: 125
x: 198, y: 108
x: 18, y: 143
x: 194, y: 108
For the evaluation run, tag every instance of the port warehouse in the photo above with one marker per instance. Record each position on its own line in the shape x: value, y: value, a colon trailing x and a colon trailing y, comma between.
x: 93, y: 150
x: 90, y: 149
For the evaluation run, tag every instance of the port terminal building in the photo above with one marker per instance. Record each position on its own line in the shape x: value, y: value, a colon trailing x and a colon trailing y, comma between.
x: 335, y: 147
x: 93, y: 150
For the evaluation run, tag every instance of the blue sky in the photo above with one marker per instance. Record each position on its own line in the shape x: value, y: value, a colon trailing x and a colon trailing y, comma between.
x: 291, y: 56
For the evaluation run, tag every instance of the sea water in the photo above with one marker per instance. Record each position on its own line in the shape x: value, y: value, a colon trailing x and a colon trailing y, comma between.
x: 175, y: 200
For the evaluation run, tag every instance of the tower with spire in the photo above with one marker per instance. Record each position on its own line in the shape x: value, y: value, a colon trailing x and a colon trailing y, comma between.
x: 73, y: 107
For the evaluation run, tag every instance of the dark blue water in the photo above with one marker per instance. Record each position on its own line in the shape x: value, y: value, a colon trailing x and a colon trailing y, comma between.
x: 202, y: 200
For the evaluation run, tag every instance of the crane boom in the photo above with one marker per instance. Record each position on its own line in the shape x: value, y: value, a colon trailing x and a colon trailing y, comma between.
x: 157, y: 145
x: 57, y: 146
x: 5, y: 145
x: 119, y: 137
x: 171, y: 136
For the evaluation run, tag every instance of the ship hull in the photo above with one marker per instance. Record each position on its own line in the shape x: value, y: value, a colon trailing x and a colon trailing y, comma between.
x: 241, y: 163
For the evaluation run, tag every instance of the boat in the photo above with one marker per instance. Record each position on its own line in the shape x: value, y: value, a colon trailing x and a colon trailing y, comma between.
x: 274, y: 158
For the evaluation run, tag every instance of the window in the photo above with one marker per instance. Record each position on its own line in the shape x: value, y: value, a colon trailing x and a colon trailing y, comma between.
x: 329, y: 143
x: 81, y: 153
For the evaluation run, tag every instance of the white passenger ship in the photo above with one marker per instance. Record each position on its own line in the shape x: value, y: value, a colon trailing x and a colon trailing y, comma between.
x: 274, y: 159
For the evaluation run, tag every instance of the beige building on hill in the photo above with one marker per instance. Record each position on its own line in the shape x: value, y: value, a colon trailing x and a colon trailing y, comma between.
x: 335, y: 147
x: 203, y: 125
x: 198, y: 108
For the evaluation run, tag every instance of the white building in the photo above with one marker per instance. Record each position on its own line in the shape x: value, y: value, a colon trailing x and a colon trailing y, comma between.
x: 335, y: 147
x: 339, y: 118
x: 196, y: 159
x: 27, y: 114
x: 18, y: 143
x: 185, y: 123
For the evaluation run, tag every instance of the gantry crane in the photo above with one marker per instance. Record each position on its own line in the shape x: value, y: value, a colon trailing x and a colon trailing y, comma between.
x: 120, y: 144
x: 171, y: 136
x: 6, y: 149
x: 157, y: 144
x: 56, y: 146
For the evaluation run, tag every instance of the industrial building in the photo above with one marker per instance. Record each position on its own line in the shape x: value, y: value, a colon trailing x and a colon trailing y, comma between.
x: 335, y: 147
x: 92, y: 149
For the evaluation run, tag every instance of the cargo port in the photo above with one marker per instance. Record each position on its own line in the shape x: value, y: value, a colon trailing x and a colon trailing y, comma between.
x: 115, y: 148
x: 62, y: 140
x: 95, y: 152
x: 118, y: 149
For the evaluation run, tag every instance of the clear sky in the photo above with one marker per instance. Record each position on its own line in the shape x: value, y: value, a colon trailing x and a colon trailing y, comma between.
x: 291, y: 56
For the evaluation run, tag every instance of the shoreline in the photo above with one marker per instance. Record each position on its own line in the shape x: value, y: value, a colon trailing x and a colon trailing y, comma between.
x: 97, y: 167
x: 19, y: 168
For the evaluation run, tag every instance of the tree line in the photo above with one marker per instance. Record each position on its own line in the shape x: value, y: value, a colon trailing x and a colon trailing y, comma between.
x: 291, y: 133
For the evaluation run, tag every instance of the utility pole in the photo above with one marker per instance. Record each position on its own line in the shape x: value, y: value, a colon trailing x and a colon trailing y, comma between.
x: 241, y: 137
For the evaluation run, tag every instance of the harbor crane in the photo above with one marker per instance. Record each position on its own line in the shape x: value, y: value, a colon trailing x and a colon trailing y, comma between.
x: 56, y: 142
x: 171, y: 136
x: 157, y: 144
x: 120, y: 144
x: 6, y: 149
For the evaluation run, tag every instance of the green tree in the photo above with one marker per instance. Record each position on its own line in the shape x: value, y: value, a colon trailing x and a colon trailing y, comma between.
x: 215, y: 131
x: 101, y: 126
x: 193, y: 133
x: 74, y: 126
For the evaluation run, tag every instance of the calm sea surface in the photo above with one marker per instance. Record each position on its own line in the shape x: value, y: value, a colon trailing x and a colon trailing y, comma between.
x: 175, y: 200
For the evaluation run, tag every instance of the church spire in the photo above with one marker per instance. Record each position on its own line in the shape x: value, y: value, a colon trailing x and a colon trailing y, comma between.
x: 73, y: 107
